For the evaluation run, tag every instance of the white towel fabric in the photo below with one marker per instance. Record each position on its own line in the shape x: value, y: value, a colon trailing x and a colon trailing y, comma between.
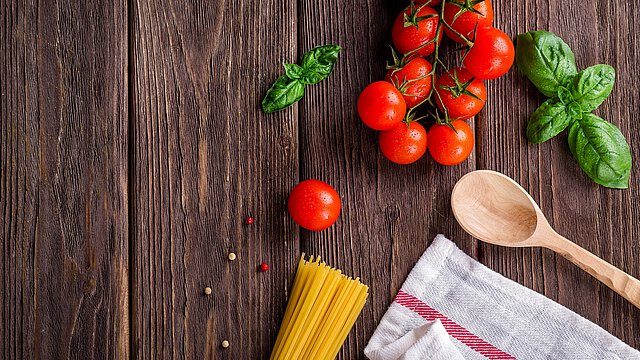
x: 452, y: 307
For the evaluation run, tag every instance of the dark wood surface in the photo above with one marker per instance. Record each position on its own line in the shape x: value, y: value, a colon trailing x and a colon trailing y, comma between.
x: 63, y: 192
x: 132, y: 148
x: 204, y: 158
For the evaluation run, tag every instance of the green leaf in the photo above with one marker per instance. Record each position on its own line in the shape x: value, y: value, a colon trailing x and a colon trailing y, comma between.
x: 565, y: 95
x: 282, y: 94
x: 601, y: 150
x: 546, y: 60
x: 311, y: 77
x: 592, y: 86
x: 293, y: 71
x: 549, y: 120
x: 574, y: 110
x: 318, y: 63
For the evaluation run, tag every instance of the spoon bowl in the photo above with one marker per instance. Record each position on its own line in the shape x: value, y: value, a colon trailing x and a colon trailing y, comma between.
x: 494, y: 208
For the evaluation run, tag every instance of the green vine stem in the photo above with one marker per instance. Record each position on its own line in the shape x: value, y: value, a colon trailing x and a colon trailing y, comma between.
x: 443, y: 119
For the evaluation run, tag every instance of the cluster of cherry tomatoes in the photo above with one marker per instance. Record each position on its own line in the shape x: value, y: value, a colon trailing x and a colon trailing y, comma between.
x: 455, y: 96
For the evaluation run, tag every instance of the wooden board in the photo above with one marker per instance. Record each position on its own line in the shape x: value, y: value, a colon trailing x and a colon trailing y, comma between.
x: 63, y: 187
x: 132, y: 147
x: 390, y: 212
x: 204, y: 158
x: 599, y: 219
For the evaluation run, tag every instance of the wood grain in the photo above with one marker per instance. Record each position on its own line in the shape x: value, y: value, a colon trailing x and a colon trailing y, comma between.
x: 390, y: 212
x: 601, y: 220
x: 205, y: 157
x: 132, y: 147
x: 63, y: 190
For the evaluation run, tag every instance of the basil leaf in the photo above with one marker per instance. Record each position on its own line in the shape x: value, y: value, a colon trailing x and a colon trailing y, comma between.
x: 549, y: 120
x: 282, y: 94
x: 565, y: 95
x: 601, y: 150
x: 574, y: 110
x: 318, y: 63
x: 546, y: 60
x: 592, y: 86
x: 293, y: 71
x: 311, y: 77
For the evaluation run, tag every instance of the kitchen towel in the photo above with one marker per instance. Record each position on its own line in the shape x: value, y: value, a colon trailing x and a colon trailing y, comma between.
x: 452, y: 307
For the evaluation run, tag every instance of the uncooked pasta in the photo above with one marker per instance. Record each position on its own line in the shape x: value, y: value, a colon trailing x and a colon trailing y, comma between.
x: 323, y: 306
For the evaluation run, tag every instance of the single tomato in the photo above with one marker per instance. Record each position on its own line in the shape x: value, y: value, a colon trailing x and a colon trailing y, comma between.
x: 464, y: 18
x: 462, y: 94
x: 405, y: 143
x: 491, y: 55
x: 381, y: 106
x: 314, y: 205
x: 417, y: 32
x: 412, y: 80
x: 449, y: 147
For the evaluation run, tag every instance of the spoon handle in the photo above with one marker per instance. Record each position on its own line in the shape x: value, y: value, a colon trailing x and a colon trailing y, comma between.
x: 619, y: 281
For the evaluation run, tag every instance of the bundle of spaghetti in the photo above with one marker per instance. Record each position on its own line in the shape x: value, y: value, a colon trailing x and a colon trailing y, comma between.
x: 323, y: 306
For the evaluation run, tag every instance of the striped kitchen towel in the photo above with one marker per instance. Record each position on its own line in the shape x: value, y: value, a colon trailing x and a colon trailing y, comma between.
x: 452, y: 307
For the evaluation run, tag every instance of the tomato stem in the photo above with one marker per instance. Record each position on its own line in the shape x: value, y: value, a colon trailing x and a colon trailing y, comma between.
x: 466, y: 40
x: 441, y: 116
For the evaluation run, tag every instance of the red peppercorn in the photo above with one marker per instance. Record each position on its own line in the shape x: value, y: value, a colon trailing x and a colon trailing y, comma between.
x: 264, y: 267
x: 249, y: 220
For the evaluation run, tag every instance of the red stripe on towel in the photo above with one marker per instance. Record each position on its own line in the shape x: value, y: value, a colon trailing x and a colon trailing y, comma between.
x: 463, y: 335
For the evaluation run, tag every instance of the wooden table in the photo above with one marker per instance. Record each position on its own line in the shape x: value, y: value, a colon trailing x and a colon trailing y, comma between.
x: 133, y: 147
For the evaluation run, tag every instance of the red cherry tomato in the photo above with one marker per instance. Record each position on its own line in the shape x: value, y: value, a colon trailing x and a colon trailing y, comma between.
x: 405, y: 143
x: 314, y: 205
x: 491, y: 55
x: 427, y: 2
x: 409, y: 37
x: 456, y: 94
x: 466, y: 22
x: 413, y: 74
x: 381, y: 106
x: 449, y: 147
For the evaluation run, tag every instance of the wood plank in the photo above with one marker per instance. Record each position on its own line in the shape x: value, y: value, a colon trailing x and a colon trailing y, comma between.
x: 63, y: 181
x: 390, y: 212
x: 599, y: 219
x: 205, y: 157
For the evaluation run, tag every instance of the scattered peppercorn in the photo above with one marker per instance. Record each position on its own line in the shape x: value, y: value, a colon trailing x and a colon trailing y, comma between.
x: 232, y: 256
x: 207, y: 291
x: 249, y: 220
x: 264, y: 267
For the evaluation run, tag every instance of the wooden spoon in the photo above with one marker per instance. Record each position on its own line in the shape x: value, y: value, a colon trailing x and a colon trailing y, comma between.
x: 494, y: 208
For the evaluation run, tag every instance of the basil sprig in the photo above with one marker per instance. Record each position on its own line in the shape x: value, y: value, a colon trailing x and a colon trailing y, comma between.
x: 315, y: 66
x: 599, y: 147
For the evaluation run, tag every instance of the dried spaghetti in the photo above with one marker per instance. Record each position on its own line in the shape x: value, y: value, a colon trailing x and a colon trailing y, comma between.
x: 322, y: 309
